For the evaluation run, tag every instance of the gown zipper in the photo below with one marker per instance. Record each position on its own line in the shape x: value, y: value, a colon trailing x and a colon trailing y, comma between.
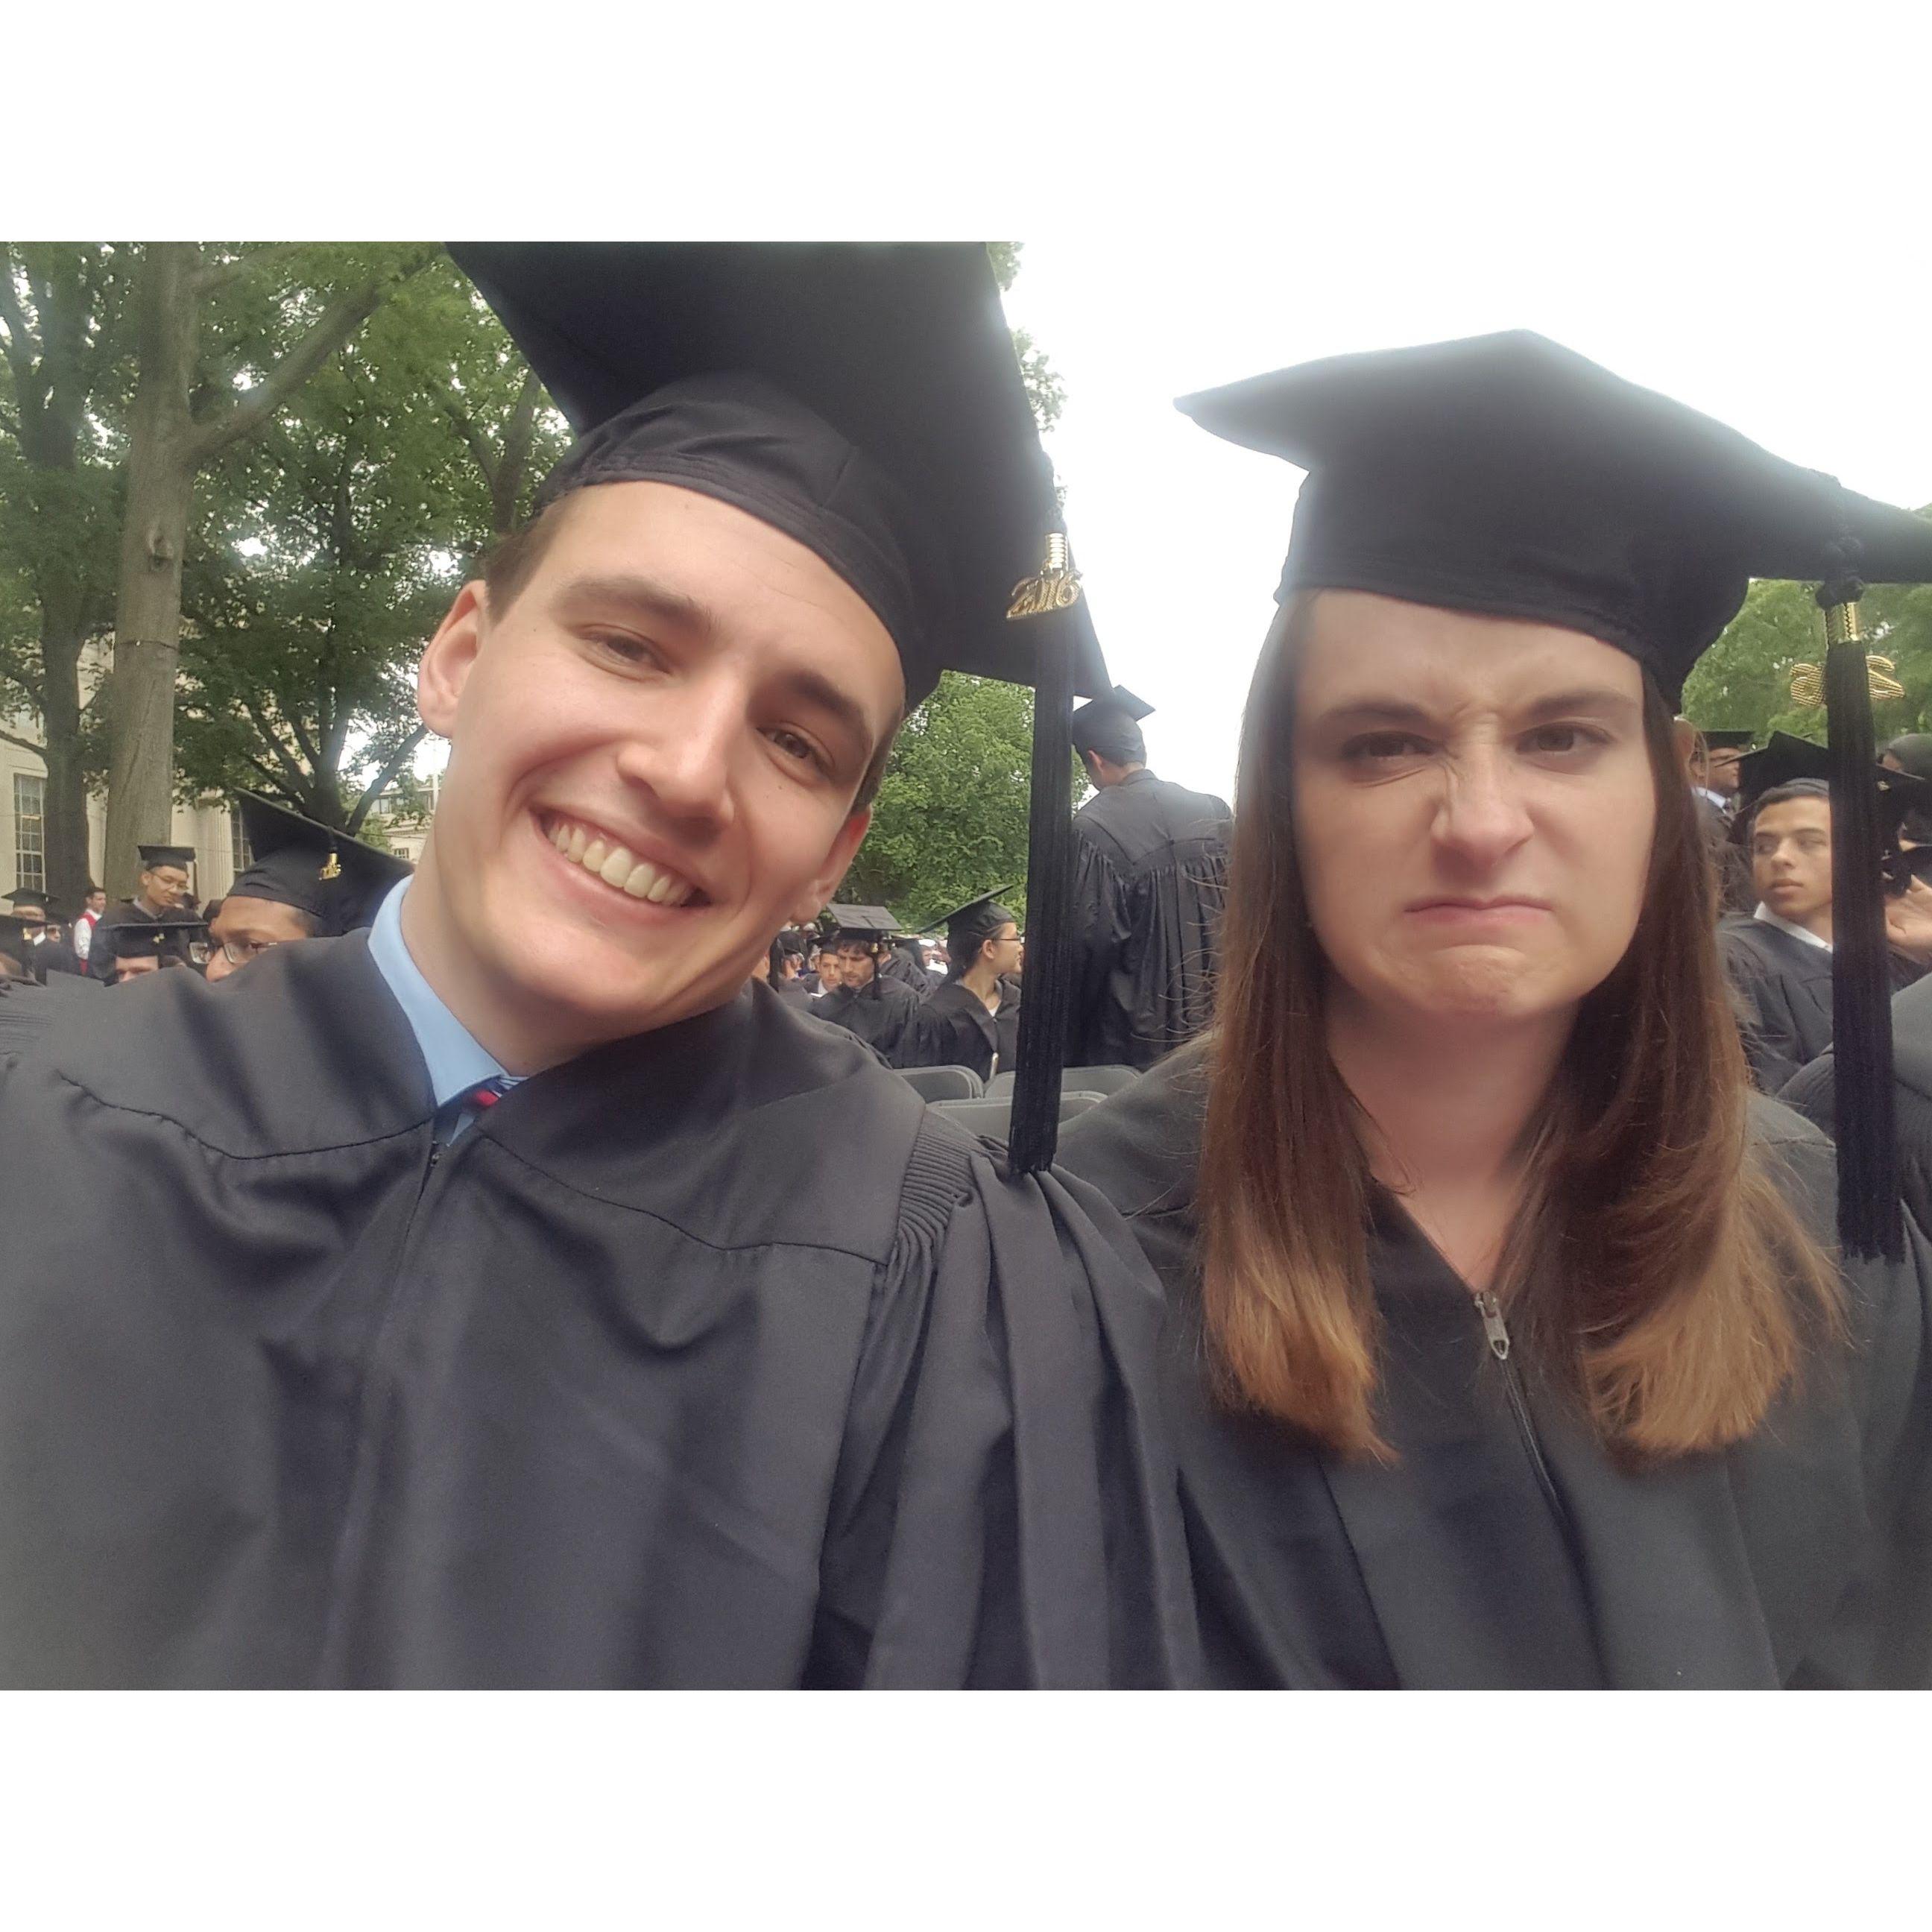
x: 1497, y: 1334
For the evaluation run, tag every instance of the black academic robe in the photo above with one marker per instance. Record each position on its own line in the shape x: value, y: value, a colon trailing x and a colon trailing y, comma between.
x: 1783, y: 988
x: 953, y: 1028
x: 903, y: 967
x: 56, y: 956
x: 1149, y: 871
x: 643, y: 1380
x: 1730, y: 864
x: 879, y: 1013
x: 1505, y: 1548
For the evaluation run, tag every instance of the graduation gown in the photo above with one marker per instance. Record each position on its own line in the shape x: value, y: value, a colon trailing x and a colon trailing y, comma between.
x: 1730, y: 864
x: 1150, y: 870
x: 901, y: 968
x: 634, y: 1383
x: 953, y: 1028
x: 879, y: 1013
x: 1505, y: 1548
x: 1784, y: 987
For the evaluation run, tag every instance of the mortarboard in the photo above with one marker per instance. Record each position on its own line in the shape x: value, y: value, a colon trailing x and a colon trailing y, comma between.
x: 865, y: 400
x: 338, y: 881
x: 1506, y: 475
x: 152, y: 856
x: 25, y: 895
x: 1783, y: 759
x: 14, y: 938
x: 1727, y: 740
x: 141, y: 938
x: 862, y: 922
x: 984, y: 915
x: 1115, y: 705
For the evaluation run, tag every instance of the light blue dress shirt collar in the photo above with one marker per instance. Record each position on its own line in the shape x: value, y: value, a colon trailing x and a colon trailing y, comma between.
x: 457, y: 1063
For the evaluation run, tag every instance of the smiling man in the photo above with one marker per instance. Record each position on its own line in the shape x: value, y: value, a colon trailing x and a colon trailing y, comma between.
x: 504, y: 1322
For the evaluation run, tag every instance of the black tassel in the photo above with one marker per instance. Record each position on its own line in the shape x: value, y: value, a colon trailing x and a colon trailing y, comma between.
x: 1046, y: 1005
x: 1869, y: 1222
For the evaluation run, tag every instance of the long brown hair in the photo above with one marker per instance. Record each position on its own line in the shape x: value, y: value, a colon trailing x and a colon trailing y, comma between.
x: 1654, y: 1268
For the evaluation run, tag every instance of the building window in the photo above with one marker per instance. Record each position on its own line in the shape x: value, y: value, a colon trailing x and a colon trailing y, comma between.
x: 30, y: 831
x: 239, y: 856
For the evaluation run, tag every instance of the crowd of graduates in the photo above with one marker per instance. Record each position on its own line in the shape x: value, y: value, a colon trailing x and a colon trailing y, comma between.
x: 1488, y: 1252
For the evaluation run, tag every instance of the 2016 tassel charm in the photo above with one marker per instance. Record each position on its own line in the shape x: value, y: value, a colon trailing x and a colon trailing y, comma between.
x: 1056, y: 588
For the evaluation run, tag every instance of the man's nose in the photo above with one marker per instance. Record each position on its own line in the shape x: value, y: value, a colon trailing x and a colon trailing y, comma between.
x: 682, y: 755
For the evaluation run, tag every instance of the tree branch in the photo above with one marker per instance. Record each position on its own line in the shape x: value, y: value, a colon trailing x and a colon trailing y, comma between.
x: 19, y: 345
x: 211, y: 280
x: 292, y: 773
x: 518, y: 439
x: 23, y: 744
x: 479, y: 447
x: 333, y: 327
x: 274, y: 780
x: 385, y: 777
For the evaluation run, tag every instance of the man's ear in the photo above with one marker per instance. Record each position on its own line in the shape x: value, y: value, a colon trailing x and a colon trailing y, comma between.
x: 838, y: 862
x: 448, y: 657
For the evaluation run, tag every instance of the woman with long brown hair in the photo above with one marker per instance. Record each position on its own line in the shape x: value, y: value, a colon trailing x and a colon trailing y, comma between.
x: 1511, y: 1345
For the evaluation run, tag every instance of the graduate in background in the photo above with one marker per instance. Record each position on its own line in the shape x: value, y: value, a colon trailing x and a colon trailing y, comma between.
x: 1511, y: 1344
x: 162, y: 890
x: 304, y: 881
x: 1779, y: 956
x: 502, y: 1318
x: 973, y: 1019
x: 1151, y: 862
x: 172, y: 940
x: 866, y: 1001
x: 1715, y: 760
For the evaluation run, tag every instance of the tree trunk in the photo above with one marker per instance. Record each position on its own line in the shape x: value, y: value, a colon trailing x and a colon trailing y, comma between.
x: 66, y: 807
x: 147, y: 626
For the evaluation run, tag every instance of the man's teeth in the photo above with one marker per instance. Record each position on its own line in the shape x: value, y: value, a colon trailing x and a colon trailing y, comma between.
x: 616, y: 867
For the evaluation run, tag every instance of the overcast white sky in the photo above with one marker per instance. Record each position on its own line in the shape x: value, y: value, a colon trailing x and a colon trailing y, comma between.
x: 1727, y: 203
x: 1180, y: 536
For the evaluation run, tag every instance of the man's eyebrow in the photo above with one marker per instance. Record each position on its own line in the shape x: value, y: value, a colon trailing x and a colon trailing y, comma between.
x: 642, y: 594
x: 646, y: 596
x: 815, y: 688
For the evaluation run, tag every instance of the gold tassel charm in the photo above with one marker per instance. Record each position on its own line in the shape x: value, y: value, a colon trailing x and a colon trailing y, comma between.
x: 1808, y: 683
x: 331, y: 866
x: 1056, y: 588
x: 1842, y: 627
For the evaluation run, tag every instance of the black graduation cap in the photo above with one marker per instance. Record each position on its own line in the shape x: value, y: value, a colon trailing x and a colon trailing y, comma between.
x: 142, y: 939
x: 982, y: 915
x: 1727, y: 740
x: 1507, y: 476
x: 25, y: 895
x: 338, y: 881
x: 1105, y: 712
x: 152, y: 856
x: 865, y: 400
x: 1783, y: 760
x: 871, y: 923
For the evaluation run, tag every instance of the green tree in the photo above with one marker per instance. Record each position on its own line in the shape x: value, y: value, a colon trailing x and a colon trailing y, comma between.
x: 331, y: 542
x: 225, y: 336
x: 1743, y: 682
x: 950, y: 819
x: 65, y: 363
